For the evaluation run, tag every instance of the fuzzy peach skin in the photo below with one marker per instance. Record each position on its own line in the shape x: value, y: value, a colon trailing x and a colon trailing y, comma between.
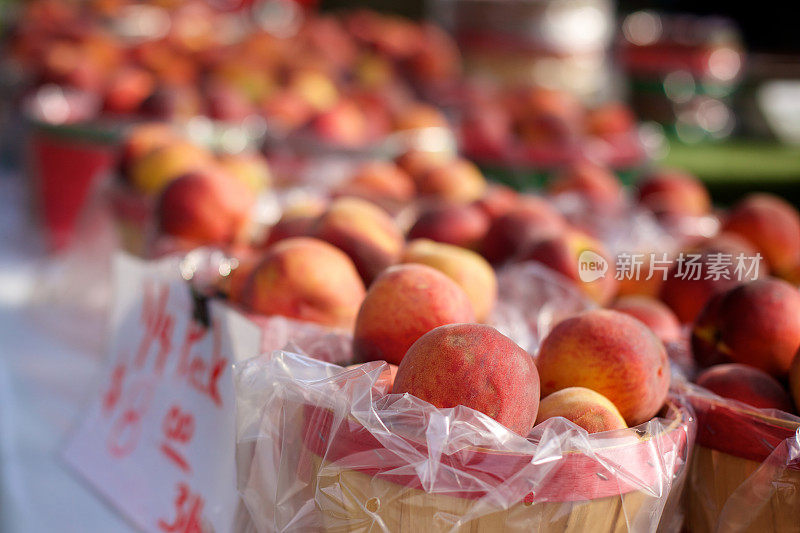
x: 459, y: 224
x: 772, y: 225
x: 471, y: 271
x: 655, y: 315
x: 156, y: 168
x: 402, y: 304
x: 363, y: 231
x: 584, y: 407
x: 755, y: 323
x: 510, y: 233
x: 673, y: 192
x: 476, y: 366
x: 611, y: 353
x: 458, y: 180
x: 595, y: 183
x: 306, y: 279
x: 745, y: 384
x: 794, y: 381
x: 562, y: 253
x: 205, y: 208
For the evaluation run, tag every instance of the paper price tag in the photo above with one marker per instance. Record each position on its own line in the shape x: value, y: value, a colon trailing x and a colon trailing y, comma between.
x: 158, y: 440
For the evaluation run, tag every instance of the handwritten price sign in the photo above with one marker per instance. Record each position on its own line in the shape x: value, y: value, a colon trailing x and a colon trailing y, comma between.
x: 158, y: 441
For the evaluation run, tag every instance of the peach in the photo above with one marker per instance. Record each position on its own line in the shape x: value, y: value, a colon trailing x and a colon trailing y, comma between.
x: 251, y: 169
x: 420, y: 116
x: 475, y: 366
x: 402, y: 304
x: 567, y: 252
x: 745, y: 384
x: 508, y: 234
x: 153, y: 171
x: 610, y: 120
x: 172, y: 102
x: 382, y: 182
x: 639, y: 285
x: 459, y: 224
x: 546, y: 116
x: 655, y: 315
x: 611, y: 353
x: 595, y: 183
x: 316, y: 88
x: 772, y: 225
x: 584, y: 407
x: 205, y: 208
x: 388, y: 380
x: 669, y: 192
x: 344, y: 125
x: 471, y: 271
x: 127, y: 89
x: 297, y: 220
x: 142, y: 139
x: 417, y: 163
x: 485, y: 130
x: 688, y: 288
x: 458, y: 180
x: 755, y: 323
x: 305, y: 279
x: 497, y: 200
x: 363, y: 231
x: 286, y: 111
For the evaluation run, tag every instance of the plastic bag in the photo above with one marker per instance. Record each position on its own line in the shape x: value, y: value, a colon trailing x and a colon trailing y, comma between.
x: 531, y: 299
x: 745, y: 471
x: 324, y: 448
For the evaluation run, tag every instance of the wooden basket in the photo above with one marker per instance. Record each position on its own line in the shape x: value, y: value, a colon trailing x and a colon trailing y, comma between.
x: 732, y: 444
x: 384, y: 493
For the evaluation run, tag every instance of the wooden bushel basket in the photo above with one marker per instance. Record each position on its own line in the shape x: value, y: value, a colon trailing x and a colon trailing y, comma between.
x: 745, y: 471
x: 378, y: 490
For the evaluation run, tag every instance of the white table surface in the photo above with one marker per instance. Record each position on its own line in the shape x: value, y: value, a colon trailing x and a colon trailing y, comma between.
x: 52, y: 334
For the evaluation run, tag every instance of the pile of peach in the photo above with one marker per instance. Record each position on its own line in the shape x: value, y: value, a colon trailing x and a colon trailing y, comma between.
x: 403, y: 247
x: 346, y: 79
x: 544, y: 126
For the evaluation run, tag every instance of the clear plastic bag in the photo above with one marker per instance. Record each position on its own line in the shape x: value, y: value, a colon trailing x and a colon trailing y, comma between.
x: 745, y: 471
x: 324, y: 448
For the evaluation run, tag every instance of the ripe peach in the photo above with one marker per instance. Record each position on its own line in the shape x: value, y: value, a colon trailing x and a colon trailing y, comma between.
x: 286, y: 110
x: 458, y: 180
x: 343, y: 125
x: 497, y: 200
x: 564, y: 253
x: 755, y: 323
x: 610, y: 120
x: 691, y: 281
x: 476, y: 366
x: 639, y: 285
x: 509, y: 234
x: 404, y: 303
x: 420, y: 116
x: 465, y: 267
x: 306, y: 279
x: 127, y: 89
x: 772, y: 225
x: 611, y: 353
x: 205, y: 208
x: 381, y: 182
x: 153, y: 171
x: 595, y: 183
x: 142, y: 139
x: 745, y: 384
x: 363, y: 231
x: 673, y: 193
x: 655, y: 315
x: 459, y: 224
x: 584, y: 407
x: 172, y: 102
x: 417, y: 163
x: 296, y: 221
x: 251, y: 169
x: 546, y: 116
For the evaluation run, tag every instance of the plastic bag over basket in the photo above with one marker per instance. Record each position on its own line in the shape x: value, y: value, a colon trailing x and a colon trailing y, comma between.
x: 324, y: 448
x: 745, y: 470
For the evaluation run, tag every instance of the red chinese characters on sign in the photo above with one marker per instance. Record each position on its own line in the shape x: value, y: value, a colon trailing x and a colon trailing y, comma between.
x: 188, y: 511
x: 178, y: 427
